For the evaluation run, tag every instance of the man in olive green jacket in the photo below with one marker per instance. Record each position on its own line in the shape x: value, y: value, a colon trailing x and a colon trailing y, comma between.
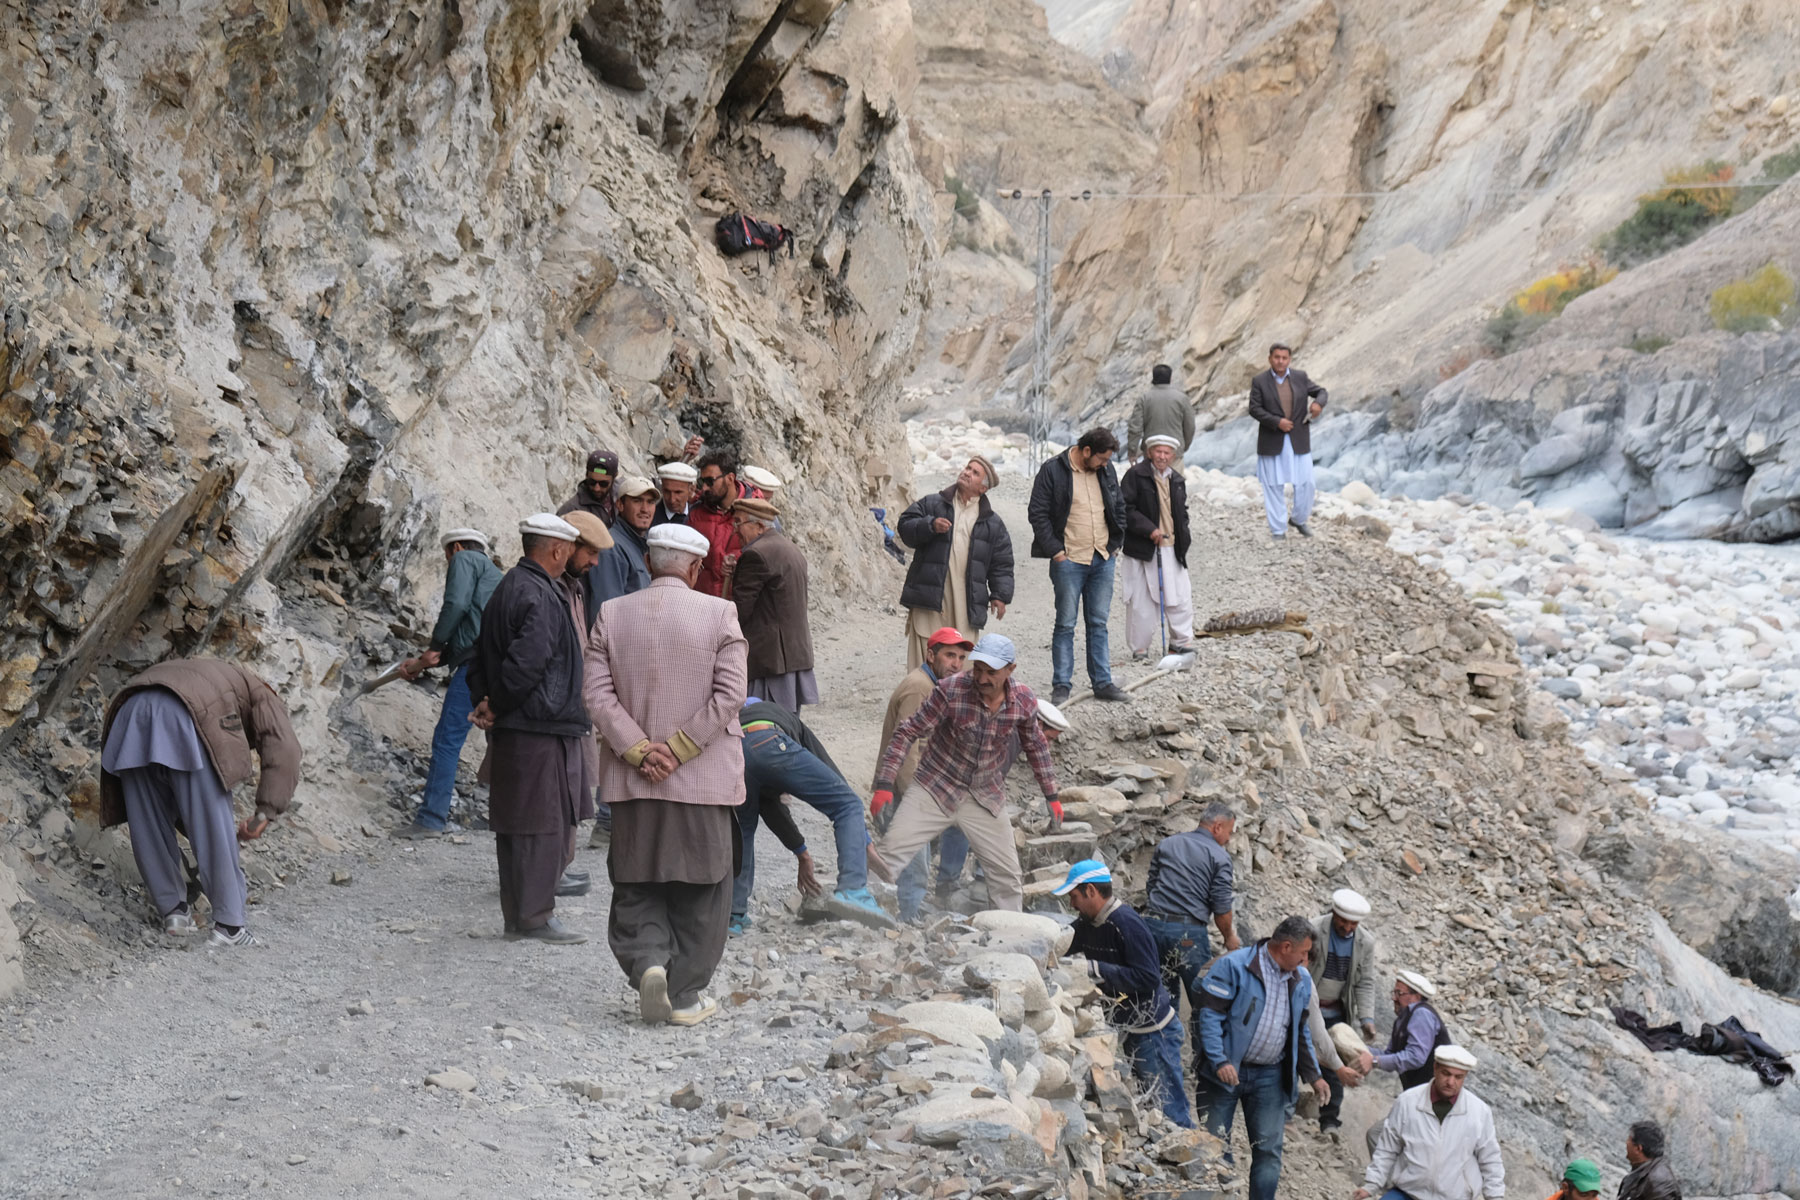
x: 1342, y: 965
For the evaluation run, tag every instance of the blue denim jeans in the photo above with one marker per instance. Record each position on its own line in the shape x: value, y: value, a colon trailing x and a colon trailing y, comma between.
x: 775, y: 764
x: 1090, y: 587
x: 1265, y: 1104
x: 1183, y: 949
x: 1156, y: 1060
x: 953, y: 854
x: 446, y: 750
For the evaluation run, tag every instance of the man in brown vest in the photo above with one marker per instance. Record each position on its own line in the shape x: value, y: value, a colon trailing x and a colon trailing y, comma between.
x: 1283, y: 403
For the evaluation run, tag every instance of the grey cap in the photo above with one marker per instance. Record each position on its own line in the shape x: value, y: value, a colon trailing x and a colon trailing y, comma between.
x: 994, y: 651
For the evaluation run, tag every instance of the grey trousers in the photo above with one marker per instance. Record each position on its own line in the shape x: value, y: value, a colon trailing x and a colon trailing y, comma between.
x: 679, y: 926
x: 156, y: 797
x: 531, y: 865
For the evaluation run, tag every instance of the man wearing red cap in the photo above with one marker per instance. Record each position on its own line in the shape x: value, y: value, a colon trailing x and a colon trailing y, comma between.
x: 945, y: 652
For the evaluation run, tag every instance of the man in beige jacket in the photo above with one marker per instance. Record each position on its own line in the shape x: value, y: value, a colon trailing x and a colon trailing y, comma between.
x: 664, y: 679
x: 176, y: 740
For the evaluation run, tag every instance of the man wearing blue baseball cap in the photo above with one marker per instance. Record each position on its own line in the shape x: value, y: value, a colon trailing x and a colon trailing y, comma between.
x: 968, y: 723
x: 1114, y: 946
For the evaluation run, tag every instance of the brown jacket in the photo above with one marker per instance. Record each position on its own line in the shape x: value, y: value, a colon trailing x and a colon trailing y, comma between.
x: 233, y: 710
x: 1265, y: 410
x: 907, y: 697
x: 770, y: 592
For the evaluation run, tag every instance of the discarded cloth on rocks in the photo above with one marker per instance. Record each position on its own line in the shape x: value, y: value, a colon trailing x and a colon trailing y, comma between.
x: 1728, y: 1040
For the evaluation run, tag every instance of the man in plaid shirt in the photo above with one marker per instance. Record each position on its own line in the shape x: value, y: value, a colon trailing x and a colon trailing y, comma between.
x: 970, y: 720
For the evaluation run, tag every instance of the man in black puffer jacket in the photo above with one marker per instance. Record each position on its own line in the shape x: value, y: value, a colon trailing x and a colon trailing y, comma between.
x: 963, y: 567
x: 1156, y: 545
x: 525, y: 683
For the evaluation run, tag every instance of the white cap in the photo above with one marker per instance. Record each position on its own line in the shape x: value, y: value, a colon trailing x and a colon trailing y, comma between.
x: 463, y: 535
x: 1349, y: 905
x: 674, y: 536
x: 679, y: 472
x: 1455, y: 1056
x: 1417, y: 983
x: 768, y: 481
x: 1162, y: 439
x: 1052, y: 716
x: 551, y: 526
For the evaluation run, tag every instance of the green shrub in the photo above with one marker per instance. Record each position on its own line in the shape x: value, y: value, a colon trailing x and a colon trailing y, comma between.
x: 1755, y: 302
x: 1673, y: 216
x: 1651, y: 344
x: 967, y: 203
x: 1776, y: 170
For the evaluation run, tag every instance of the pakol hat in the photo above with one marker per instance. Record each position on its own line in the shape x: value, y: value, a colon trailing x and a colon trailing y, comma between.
x: 993, y: 476
x: 635, y: 485
x: 1454, y: 1056
x: 1417, y: 983
x: 1052, y: 716
x: 602, y: 464
x: 1088, y: 870
x: 678, y: 472
x: 592, y: 529
x: 1349, y: 905
x: 549, y: 525
x: 452, y: 536
x: 994, y: 651
x: 1584, y: 1173
x: 949, y: 635
x: 1162, y: 439
x: 673, y: 536
x: 756, y: 510
x: 757, y: 477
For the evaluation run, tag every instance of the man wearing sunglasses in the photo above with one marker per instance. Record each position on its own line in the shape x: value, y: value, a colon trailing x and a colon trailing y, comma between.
x: 595, y: 491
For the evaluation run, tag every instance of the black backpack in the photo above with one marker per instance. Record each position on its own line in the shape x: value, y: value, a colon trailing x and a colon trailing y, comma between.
x: 738, y: 234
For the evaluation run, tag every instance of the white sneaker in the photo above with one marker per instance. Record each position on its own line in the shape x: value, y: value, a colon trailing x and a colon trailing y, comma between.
x: 180, y: 923
x: 653, y: 996
x: 243, y: 937
x: 694, y: 1013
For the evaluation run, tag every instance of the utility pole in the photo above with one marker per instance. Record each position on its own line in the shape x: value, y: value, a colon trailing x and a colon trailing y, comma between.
x: 1037, y: 400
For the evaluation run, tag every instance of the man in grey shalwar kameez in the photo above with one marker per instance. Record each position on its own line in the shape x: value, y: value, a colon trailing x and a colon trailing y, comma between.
x: 525, y: 682
x: 176, y: 740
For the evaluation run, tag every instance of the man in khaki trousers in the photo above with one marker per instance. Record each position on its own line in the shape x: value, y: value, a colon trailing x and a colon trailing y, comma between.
x: 969, y: 721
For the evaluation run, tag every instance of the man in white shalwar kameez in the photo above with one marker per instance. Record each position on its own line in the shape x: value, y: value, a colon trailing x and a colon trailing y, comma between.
x: 1155, y: 550
x: 1283, y: 403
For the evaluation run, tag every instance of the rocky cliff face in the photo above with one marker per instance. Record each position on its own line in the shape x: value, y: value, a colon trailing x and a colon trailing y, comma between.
x: 290, y: 287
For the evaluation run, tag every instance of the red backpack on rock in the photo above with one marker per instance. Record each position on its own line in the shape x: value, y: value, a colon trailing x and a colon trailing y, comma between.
x: 738, y: 234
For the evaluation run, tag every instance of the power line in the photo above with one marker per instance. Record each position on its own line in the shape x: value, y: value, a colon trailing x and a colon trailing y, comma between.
x: 1039, y: 193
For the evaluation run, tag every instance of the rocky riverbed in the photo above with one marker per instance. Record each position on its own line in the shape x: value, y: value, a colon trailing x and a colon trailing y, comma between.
x: 1673, y: 662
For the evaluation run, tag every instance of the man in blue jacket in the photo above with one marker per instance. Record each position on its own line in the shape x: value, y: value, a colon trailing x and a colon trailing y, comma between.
x: 1254, y: 1045
x: 1114, y: 945
x: 469, y: 582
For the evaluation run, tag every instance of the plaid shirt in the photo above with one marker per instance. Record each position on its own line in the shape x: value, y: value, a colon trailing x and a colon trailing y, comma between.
x: 968, y: 750
x: 1269, y: 1042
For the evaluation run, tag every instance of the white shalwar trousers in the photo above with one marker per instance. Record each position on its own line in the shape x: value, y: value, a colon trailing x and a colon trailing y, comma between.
x: 1275, y: 472
x: 1142, y: 596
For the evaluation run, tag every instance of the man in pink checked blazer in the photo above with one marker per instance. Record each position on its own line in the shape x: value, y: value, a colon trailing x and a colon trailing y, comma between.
x: 664, y: 677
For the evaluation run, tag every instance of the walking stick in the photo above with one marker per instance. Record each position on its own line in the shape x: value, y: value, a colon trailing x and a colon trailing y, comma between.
x: 1162, y: 605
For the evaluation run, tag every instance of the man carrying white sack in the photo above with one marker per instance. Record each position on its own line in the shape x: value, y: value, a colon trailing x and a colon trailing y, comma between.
x: 1157, y: 588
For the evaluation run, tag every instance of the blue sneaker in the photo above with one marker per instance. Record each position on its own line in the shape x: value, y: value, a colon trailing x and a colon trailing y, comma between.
x: 739, y: 923
x: 860, y: 905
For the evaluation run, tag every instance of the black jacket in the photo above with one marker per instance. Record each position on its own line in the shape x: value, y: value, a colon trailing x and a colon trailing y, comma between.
x: 1049, y: 507
x: 1143, y: 511
x: 1650, y: 1180
x: 527, y: 662
x: 990, y: 573
x: 1265, y: 410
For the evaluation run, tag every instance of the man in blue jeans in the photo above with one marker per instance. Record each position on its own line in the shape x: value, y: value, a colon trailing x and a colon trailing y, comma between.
x: 1078, y: 523
x: 470, y: 581
x: 1112, y: 944
x: 781, y: 756
x: 1190, y: 882
x: 1255, y: 1046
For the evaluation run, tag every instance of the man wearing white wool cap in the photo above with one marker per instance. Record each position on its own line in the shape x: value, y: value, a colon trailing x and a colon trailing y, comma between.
x: 1157, y: 588
x: 1438, y: 1141
x: 1417, y: 1034
x: 525, y: 683
x: 1342, y: 965
x: 678, y: 480
x: 666, y: 675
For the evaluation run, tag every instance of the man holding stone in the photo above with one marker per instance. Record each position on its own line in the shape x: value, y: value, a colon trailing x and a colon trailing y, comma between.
x: 1283, y: 403
x: 1417, y: 1033
x: 1342, y: 966
x: 526, y: 683
x: 962, y: 565
x: 665, y: 681
x: 968, y: 722
x: 1438, y: 1142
